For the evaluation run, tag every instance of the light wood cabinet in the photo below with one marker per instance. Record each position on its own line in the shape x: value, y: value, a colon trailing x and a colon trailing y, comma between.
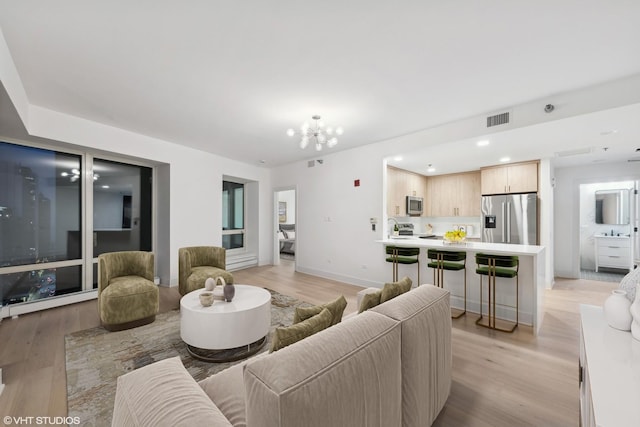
x: 514, y: 178
x: 400, y: 184
x: 455, y: 194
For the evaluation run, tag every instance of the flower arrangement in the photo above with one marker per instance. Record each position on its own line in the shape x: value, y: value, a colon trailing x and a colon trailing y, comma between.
x: 455, y: 236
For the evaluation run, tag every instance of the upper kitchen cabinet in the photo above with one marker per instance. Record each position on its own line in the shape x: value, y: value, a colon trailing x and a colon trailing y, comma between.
x: 514, y: 178
x: 400, y: 184
x: 455, y: 194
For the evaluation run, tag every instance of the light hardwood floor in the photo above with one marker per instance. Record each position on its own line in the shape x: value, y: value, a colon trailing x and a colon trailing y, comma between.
x: 499, y: 379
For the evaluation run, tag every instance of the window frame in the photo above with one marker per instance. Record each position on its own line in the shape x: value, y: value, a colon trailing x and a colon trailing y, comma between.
x: 235, y: 231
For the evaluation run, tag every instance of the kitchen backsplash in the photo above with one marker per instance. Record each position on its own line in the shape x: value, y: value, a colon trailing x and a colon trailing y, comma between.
x: 441, y: 225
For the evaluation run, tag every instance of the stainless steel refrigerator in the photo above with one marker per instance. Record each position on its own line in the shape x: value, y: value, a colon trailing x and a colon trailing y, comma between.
x: 510, y: 218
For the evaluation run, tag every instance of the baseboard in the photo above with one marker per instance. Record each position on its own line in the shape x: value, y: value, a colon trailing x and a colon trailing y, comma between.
x: 340, y: 277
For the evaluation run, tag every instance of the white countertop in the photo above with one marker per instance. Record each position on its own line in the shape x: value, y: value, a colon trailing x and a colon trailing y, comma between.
x: 496, y: 248
x: 602, y: 236
x: 613, y: 360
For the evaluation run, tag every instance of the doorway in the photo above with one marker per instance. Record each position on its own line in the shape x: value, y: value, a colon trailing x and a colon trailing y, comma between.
x: 596, y: 226
x: 285, y: 243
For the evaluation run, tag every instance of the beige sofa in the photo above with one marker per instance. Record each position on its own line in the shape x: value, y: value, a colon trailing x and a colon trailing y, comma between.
x: 389, y: 366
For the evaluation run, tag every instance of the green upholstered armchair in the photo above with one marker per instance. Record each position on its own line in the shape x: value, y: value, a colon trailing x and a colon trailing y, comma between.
x: 127, y: 296
x: 197, y: 263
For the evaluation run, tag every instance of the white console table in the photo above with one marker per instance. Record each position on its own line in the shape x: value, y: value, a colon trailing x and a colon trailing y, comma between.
x: 609, y: 372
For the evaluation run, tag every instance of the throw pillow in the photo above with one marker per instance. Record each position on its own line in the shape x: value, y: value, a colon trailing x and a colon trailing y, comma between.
x: 392, y: 290
x: 405, y: 284
x: 370, y: 301
x: 285, y: 336
x: 336, y: 307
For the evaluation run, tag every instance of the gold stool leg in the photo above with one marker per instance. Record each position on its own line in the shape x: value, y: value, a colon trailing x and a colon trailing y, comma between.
x: 479, y: 319
x: 513, y: 328
x: 394, y: 275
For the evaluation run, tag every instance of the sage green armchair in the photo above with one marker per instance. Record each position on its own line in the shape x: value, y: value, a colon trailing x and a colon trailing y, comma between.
x: 127, y: 295
x: 197, y: 263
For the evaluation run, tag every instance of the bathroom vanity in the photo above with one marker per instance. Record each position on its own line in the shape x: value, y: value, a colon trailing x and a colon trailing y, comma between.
x: 613, y: 252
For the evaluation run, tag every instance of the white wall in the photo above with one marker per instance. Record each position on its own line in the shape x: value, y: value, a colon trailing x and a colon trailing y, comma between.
x: 333, y: 231
x: 567, y: 208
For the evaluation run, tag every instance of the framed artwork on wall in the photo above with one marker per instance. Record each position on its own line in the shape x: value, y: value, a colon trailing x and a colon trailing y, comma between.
x: 282, y: 211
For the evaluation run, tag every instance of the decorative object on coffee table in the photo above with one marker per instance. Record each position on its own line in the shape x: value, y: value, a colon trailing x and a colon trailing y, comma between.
x: 228, y: 290
x: 209, y: 284
x: 206, y: 298
x: 218, y: 291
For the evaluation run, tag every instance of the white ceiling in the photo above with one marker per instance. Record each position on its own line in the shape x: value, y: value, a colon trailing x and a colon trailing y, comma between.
x: 231, y: 76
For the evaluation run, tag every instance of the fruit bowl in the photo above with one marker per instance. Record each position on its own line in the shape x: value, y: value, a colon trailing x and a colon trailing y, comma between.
x: 455, y: 237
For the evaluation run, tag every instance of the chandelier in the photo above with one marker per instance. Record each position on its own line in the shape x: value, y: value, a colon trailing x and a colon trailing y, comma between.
x: 317, y: 133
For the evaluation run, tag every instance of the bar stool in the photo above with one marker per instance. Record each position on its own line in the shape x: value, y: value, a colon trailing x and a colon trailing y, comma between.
x: 401, y: 255
x: 442, y: 260
x: 493, y: 266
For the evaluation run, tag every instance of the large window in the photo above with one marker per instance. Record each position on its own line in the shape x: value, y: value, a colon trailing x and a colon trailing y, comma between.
x: 233, y: 228
x: 47, y: 245
x: 40, y: 205
x: 121, y: 209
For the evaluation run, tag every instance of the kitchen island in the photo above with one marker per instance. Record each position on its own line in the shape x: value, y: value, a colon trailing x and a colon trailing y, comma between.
x: 531, y: 276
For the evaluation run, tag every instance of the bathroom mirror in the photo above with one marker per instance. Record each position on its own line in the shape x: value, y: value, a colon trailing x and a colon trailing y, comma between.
x: 612, y: 207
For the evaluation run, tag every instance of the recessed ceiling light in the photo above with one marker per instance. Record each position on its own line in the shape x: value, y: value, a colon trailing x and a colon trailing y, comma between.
x: 105, y: 186
x: 482, y: 143
x: 431, y: 169
x: 398, y: 158
x: 609, y: 132
x: 505, y: 159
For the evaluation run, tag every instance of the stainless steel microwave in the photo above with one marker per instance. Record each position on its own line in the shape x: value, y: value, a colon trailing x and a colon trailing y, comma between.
x: 414, y: 205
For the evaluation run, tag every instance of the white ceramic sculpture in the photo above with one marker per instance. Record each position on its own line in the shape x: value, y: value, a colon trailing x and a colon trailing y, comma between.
x: 209, y: 284
x: 616, y: 310
x: 635, y: 313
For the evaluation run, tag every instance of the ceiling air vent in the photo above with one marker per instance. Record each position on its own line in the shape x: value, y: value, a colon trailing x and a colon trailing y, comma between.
x: 498, y: 119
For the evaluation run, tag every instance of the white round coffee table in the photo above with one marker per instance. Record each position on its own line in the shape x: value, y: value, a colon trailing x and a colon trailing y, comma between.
x: 226, y: 331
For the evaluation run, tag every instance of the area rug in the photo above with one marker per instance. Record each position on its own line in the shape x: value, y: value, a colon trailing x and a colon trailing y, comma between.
x: 95, y: 358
